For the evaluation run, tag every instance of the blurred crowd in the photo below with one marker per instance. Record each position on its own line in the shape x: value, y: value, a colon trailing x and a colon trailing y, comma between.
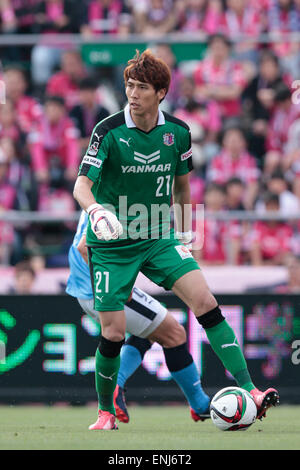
x: 240, y: 101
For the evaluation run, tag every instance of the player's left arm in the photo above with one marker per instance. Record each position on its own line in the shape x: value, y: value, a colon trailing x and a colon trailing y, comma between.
x: 81, y: 247
x: 182, y: 206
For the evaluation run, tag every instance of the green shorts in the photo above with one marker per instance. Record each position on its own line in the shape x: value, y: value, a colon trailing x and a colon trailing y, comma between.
x: 114, y: 269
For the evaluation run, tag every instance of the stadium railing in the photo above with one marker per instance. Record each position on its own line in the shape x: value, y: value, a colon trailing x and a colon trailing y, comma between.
x: 17, y: 217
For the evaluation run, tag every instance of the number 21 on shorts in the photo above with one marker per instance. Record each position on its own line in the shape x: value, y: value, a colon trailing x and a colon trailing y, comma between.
x: 102, y: 282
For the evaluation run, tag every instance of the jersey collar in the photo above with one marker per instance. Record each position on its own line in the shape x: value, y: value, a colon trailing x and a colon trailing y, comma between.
x: 129, y: 121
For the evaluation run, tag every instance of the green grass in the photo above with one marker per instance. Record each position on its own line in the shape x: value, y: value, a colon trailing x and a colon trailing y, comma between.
x: 155, y: 428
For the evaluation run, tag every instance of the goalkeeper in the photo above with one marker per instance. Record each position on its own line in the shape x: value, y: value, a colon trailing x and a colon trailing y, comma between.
x: 147, y: 321
x: 136, y: 159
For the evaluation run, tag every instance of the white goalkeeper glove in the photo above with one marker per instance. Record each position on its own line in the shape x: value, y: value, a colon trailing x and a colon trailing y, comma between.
x: 104, y: 223
x: 186, y: 238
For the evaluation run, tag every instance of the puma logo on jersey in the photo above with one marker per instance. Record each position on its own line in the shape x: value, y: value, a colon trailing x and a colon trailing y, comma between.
x: 99, y: 298
x: 228, y: 345
x: 140, y: 157
x: 127, y: 142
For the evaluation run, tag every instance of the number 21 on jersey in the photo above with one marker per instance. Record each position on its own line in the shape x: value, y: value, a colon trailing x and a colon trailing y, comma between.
x: 163, y: 186
x: 102, y: 282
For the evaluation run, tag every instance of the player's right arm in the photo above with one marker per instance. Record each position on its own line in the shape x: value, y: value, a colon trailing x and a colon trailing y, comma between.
x: 104, y: 223
x: 83, y: 192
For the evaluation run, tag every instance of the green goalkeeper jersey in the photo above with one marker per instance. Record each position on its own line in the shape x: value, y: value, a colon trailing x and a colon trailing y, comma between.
x: 133, y: 172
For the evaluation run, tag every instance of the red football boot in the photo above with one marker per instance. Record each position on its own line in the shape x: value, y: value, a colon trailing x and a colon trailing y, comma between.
x: 104, y: 422
x: 264, y: 400
x: 120, y: 405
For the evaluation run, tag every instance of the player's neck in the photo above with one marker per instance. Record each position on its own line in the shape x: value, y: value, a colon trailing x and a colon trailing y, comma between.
x: 146, y: 122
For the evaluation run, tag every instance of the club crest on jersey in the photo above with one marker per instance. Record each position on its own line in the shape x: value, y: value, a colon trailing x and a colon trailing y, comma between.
x: 168, y: 138
x: 93, y: 149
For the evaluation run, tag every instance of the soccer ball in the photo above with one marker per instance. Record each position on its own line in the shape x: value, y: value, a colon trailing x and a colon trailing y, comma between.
x: 233, y: 409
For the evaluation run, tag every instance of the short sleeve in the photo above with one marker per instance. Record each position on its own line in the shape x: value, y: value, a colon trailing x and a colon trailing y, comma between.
x: 96, y: 154
x: 184, y: 163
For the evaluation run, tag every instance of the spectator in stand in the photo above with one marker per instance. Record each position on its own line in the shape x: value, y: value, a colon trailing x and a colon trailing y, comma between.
x: 8, y: 19
x: 271, y: 240
x: 65, y: 83
x: 9, y: 126
x: 292, y: 285
x: 235, y: 161
x: 24, y: 278
x: 7, y: 202
x: 259, y: 99
x: 163, y: 51
x: 235, y: 195
x: 51, y: 17
x: 214, y: 249
x: 154, y: 18
x: 280, y: 151
x: 204, y: 120
x: 197, y: 15
x: 106, y: 17
x: 220, y: 237
x: 283, y: 18
x: 55, y: 16
x: 242, y: 19
x: 9, y: 25
x: 28, y: 110
x: 19, y: 175
x: 218, y: 77
x: 88, y: 112
x: 239, y: 230
x: 197, y: 186
x: 54, y: 145
x: 22, y: 13
x: 288, y: 201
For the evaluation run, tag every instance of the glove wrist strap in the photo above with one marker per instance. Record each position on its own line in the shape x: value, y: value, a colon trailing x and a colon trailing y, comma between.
x: 92, y: 207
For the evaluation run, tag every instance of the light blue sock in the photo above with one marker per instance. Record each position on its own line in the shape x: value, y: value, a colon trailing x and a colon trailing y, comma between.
x: 189, y: 381
x: 130, y: 360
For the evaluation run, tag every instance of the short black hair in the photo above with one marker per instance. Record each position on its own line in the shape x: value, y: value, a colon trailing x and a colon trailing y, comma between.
x: 268, y: 54
x: 54, y: 99
x: 88, y: 83
x: 214, y: 187
x: 282, y: 93
x: 24, y: 266
x: 234, y: 180
x: 271, y: 198
x: 277, y: 174
x: 221, y: 37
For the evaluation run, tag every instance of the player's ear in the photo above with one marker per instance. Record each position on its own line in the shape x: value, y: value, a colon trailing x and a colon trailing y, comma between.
x: 161, y: 94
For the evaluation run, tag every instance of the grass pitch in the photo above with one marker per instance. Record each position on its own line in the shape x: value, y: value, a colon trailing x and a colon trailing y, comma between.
x: 154, y: 428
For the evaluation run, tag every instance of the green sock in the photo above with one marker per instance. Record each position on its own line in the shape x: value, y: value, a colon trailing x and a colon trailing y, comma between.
x: 106, y: 374
x: 224, y: 343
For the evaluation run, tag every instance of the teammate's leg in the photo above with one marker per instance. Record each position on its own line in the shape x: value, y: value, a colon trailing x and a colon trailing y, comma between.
x: 220, y: 335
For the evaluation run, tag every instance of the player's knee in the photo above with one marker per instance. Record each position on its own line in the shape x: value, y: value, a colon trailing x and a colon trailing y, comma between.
x: 113, y: 334
x: 203, y: 304
x: 174, y: 336
x: 179, y: 336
